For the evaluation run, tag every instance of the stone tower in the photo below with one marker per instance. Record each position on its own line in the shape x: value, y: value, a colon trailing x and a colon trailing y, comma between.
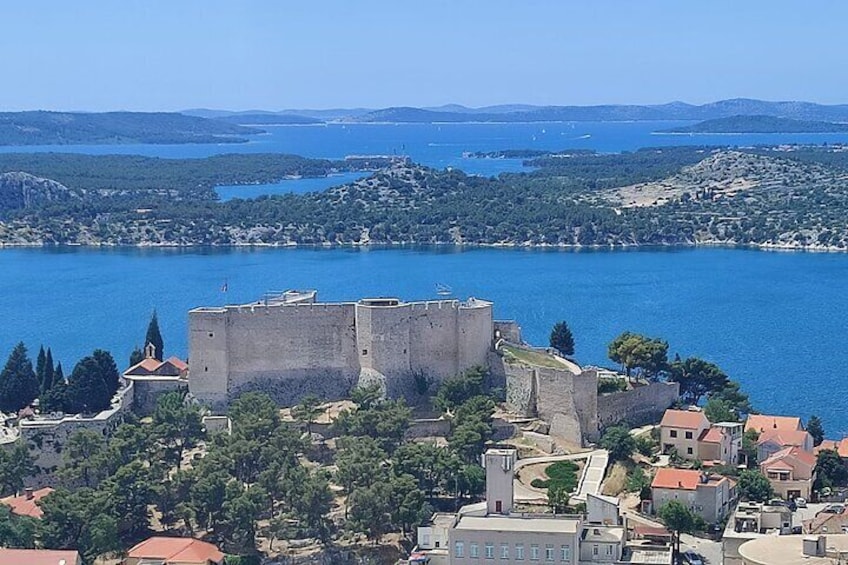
x: 500, y: 472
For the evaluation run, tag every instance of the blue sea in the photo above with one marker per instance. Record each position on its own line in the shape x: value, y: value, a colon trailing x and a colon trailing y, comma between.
x: 773, y: 320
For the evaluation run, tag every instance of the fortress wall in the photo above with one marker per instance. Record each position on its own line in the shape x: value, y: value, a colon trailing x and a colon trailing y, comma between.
x: 207, y: 343
x: 586, y: 403
x: 508, y: 330
x: 383, y: 338
x: 45, y: 437
x: 520, y: 388
x: 146, y: 392
x: 433, y: 339
x: 292, y: 350
x: 640, y: 406
x: 475, y: 335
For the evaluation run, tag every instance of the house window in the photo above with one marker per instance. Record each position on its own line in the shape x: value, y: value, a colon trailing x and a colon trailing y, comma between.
x: 534, y: 552
x: 689, y: 451
x: 609, y: 550
x: 595, y: 550
x: 459, y: 549
x: 365, y: 352
x: 474, y: 551
x: 565, y: 553
x: 688, y: 435
x: 425, y: 540
x: 519, y: 552
x: 504, y: 551
x: 498, y: 506
x: 673, y: 433
x: 490, y: 551
x: 549, y: 552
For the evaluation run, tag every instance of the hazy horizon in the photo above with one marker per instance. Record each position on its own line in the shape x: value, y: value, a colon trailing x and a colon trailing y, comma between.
x: 96, y: 55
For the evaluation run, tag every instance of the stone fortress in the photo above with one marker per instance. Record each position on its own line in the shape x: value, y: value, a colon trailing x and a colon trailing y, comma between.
x: 290, y: 345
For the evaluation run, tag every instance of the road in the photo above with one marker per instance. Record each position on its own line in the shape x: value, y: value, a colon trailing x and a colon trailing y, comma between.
x: 590, y: 480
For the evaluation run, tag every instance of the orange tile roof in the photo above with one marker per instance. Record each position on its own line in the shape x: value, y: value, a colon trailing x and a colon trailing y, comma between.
x: 177, y: 550
x: 685, y: 479
x: 178, y: 363
x: 788, y: 458
x: 24, y: 506
x: 38, y: 557
x: 711, y: 435
x: 784, y: 438
x: 762, y: 422
x: 689, y: 419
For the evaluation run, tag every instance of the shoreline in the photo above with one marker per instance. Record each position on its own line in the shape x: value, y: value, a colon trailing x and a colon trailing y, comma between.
x: 770, y: 247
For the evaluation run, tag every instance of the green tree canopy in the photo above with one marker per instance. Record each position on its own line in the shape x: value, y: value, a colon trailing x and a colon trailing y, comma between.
x: 154, y: 336
x: 679, y: 519
x: 697, y: 378
x: 755, y: 486
x: 561, y: 339
x: 830, y: 470
x: 177, y: 426
x: 92, y: 385
x: 634, y: 351
x: 19, y: 385
x: 816, y: 430
x: 460, y: 388
x: 718, y: 410
x: 619, y: 442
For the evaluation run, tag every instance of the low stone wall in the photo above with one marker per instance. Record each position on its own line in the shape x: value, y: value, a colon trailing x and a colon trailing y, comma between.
x: 147, y: 391
x: 46, y: 436
x: 428, y: 427
x: 637, y: 407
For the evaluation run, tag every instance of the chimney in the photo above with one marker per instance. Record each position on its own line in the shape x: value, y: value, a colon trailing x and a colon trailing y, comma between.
x: 30, y: 493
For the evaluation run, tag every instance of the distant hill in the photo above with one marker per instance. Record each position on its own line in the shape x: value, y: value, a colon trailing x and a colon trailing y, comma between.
x: 19, y: 191
x: 268, y: 119
x: 610, y: 112
x: 759, y: 124
x: 63, y: 128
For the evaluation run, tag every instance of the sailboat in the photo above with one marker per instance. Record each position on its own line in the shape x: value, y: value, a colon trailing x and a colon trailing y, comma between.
x: 443, y: 290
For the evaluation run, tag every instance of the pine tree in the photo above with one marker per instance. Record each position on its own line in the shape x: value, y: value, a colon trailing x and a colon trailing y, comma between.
x: 48, y: 378
x: 40, y: 363
x: 154, y: 336
x: 561, y: 339
x: 18, y: 383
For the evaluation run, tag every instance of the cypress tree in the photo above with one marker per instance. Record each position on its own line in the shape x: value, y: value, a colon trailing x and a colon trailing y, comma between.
x: 47, y: 379
x: 154, y: 336
x: 18, y: 384
x: 40, y: 362
x: 136, y: 357
x: 59, y: 374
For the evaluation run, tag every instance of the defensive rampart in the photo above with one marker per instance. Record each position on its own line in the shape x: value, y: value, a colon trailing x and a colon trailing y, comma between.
x: 45, y: 436
x: 291, y: 345
x: 644, y: 404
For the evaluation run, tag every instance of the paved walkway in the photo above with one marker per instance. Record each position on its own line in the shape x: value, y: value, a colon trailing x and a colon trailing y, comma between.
x: 590, y: 480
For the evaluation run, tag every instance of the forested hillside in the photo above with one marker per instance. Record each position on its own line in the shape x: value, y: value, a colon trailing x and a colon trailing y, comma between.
x: 669, y: 196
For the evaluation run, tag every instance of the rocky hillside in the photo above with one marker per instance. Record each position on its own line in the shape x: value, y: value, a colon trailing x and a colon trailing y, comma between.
x: 21, y: 191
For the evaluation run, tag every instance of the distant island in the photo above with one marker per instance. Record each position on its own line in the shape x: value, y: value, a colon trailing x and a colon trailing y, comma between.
x: 793, y: 197
x: 73, y: 128
x: 760, y: 124
x: 263, y: 119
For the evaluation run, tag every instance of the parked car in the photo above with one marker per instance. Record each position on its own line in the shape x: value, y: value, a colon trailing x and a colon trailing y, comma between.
x: 692, y: 558
x: 801, y: 502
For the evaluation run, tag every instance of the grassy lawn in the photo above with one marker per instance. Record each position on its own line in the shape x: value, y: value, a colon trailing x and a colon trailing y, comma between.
x: 561, y: 472
x: 536, y: 358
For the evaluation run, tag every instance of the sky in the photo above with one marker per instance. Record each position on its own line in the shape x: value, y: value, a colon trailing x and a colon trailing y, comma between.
x: 150, y: 55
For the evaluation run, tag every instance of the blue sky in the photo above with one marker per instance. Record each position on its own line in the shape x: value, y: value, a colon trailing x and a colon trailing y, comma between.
x: 275, y: 54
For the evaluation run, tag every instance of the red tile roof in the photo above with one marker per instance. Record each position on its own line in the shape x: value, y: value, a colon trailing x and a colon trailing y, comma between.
x: 762, y: 422
x: 177, y: 550
x: 685, y: 479
x: 688, y: 419
x: 787, y: 456
x: 38, y: 557
x: 22, y: 505
x: 712, y: 435
x: 784, y: 438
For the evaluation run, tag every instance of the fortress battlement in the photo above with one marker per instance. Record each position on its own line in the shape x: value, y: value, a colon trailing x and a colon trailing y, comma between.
x: 289, y: 344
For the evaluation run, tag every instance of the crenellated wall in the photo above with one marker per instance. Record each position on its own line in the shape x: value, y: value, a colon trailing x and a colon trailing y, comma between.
x: 290, y: 346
